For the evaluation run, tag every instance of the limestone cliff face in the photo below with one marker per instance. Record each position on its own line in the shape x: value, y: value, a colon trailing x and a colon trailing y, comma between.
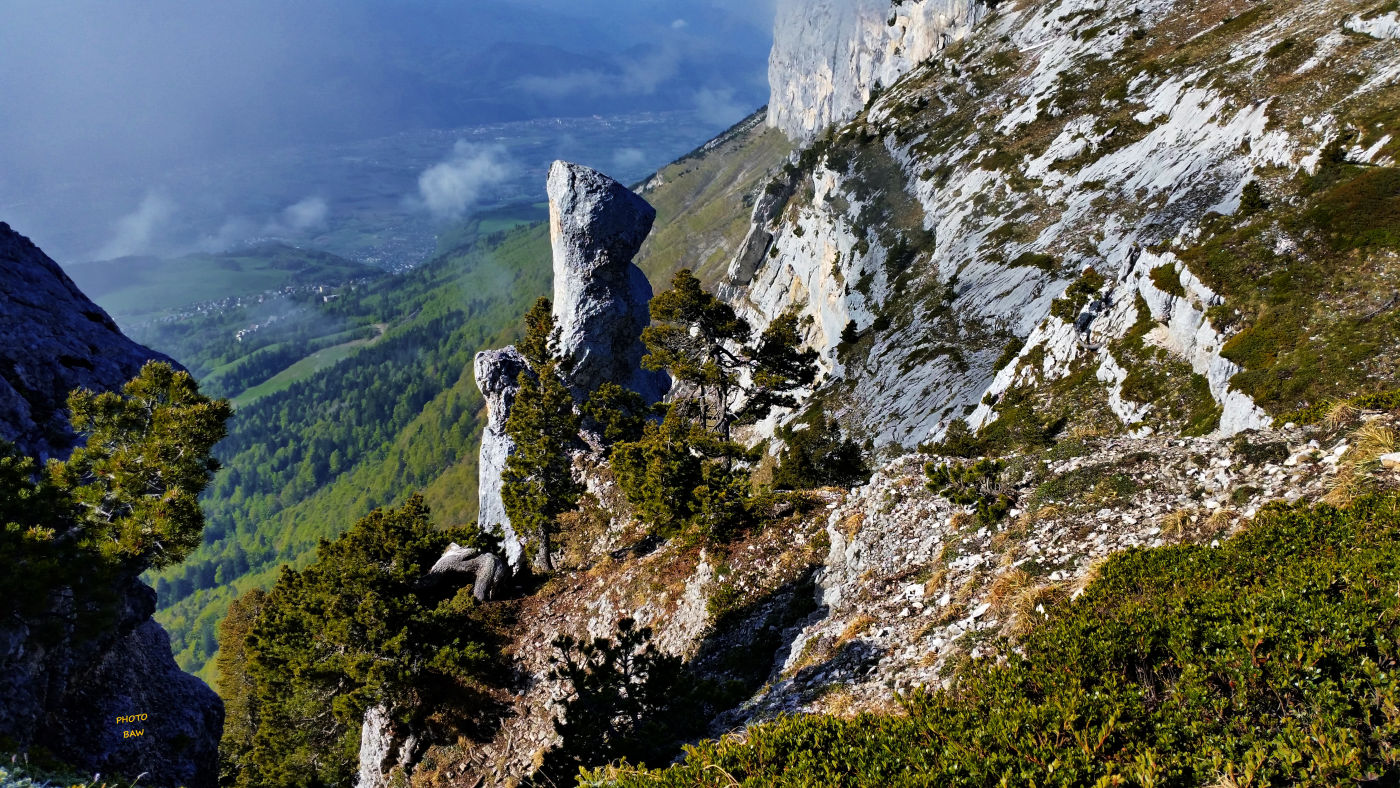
x: 944, y: 218
x: 829, y: 55
x: 65, y: 680
x: 601, y: 297
x: 53, y: 339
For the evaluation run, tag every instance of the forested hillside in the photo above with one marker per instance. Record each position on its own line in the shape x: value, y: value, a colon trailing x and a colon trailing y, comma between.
x: 397, y: 415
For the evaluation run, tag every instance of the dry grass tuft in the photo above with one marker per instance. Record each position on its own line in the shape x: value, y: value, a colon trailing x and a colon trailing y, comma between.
x: 1026, y: 607
x: 1371, y: 441
x: 1355, y: 471
x: 1176, y: 524
x: 1339, y: 414
x: 1087, y: 431
x: 1006, y: 587
x: 1221, y: 519
x: 935, y: 582
x: 852, y: 525
x: 855, y: 629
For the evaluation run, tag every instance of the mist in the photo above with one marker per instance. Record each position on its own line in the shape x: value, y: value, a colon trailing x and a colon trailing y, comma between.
x: 125, y: 126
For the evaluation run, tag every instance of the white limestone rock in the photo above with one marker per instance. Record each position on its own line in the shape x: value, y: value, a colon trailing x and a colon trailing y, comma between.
x: 829, y: 55
x: 385, y: 745
x: 497, y: 372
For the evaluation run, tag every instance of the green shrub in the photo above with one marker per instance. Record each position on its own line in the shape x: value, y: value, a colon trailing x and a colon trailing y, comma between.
x: 976, y: 484
x: 1077, y: 295
x: 1271, y: 660
x: 1280, y: 48
x: 819, y: 456
x: 1044, y: 262
x: 1009, y: 352
x: 1019, y: 427
x: 1252, y: 200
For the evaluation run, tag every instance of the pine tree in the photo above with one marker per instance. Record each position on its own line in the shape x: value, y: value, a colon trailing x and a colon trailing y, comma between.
x: 615, y: 414
x: 537, y: 483
x: 353, y: 630
x: 659, y: 472
x: 817, y: 456
x: 236, y: 685
x: 145, y: 460
x: 701, y: 341
x: 626, y: 699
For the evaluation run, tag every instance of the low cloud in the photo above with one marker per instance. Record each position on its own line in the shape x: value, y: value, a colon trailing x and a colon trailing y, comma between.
x: 450, y: 188
x: 719, y: 107
x: 641, y: 75
x: 307, y: 214
x: 137, y: 232
x: 628, y: 159
x: 679, y: 24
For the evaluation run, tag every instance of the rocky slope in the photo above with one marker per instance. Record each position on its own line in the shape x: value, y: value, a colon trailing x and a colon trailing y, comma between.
x: 1109, y: 235
x: 72, y: 690
x: 53, y: 339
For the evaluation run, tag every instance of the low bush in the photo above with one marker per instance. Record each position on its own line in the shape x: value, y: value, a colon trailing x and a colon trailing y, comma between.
x: 1268, y: 661
x: 976, y: 484
x: 1077, y: 295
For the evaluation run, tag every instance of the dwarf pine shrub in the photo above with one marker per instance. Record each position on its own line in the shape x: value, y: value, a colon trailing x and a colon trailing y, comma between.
x: 1270, y: 660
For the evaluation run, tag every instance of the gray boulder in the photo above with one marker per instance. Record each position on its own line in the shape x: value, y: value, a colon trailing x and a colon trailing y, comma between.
x: 53, y: 339
x: 486, y: 570
x: 596, y: 226
x: 497, y: 372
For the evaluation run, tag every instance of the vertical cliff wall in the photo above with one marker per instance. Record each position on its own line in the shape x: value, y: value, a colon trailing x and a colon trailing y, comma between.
x: 829, y: 55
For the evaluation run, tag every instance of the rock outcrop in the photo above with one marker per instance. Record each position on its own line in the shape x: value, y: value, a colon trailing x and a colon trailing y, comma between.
x: 385, y: 747
x: 82, y: 677
x: 596, y: 226
x: 601, y: 299
x: 828, y: 56
x: 53, y: 339
x: 486, y: 570
x: 86, y: 697
x: 496, y: 374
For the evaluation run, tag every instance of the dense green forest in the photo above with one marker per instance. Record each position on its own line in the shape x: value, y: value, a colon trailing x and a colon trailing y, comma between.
x: 304, y: 461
